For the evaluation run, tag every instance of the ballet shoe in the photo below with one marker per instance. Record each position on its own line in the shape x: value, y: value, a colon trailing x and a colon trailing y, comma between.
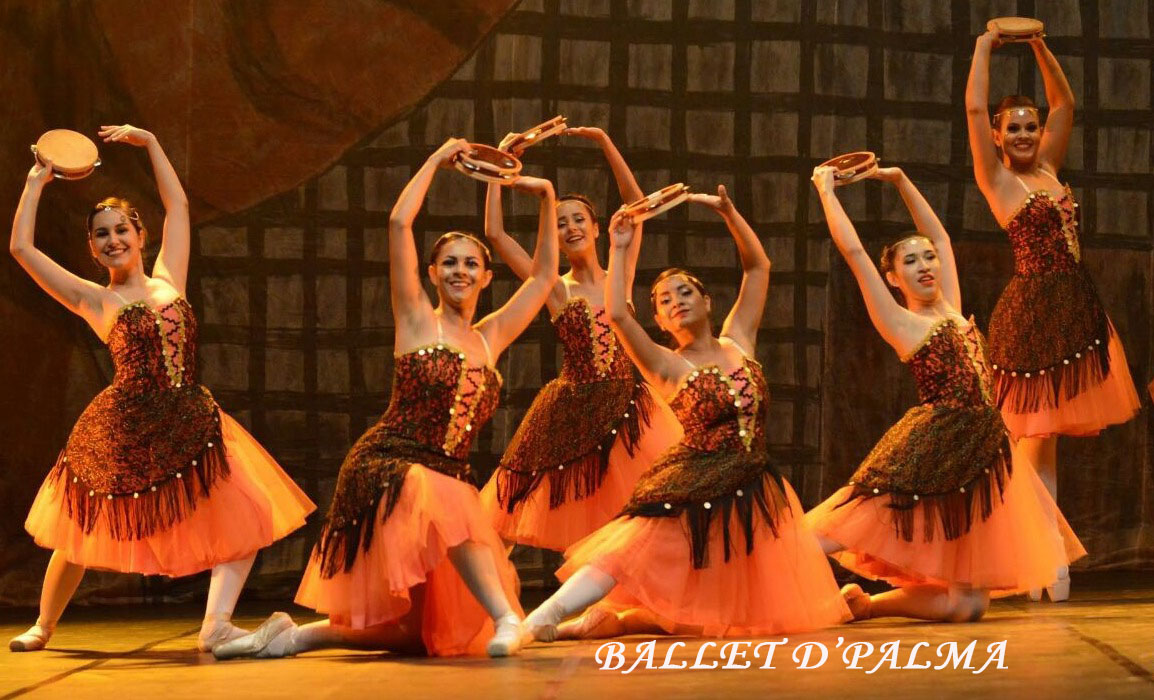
x: 273, y: 639
x: 541, y: 624
x: 1035, y: 595
x: 35, y: 639
x: 857, y: 600
x: 506, y: 639
x: 1059, y: 591
x: 215, y: 631
x: 597, y: 623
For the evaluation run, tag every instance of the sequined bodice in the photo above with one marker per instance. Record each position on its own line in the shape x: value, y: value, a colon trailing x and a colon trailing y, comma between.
x: 592, y: 352
x: 1044, y: 234
x: 439, y: 400
x: 950, y: 366
x: 720, y: 411
x: 153, y: 349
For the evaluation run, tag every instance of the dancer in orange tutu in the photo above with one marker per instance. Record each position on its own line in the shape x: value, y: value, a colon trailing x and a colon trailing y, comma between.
x: 1059, y: 367
x: 592, y: 431
x: 407, y: 559
x: 155, y: 478
x: 712, y: 540
x: 938, y: 508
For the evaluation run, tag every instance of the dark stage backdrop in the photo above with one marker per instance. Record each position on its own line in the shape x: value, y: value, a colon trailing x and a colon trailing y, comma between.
x: 292, y: 291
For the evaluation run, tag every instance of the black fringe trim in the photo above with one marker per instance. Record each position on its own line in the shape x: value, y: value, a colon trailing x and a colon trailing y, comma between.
x: 953, y: 510
x: 762, y: 499
x: 580, y: 477
x: 1045, y: 388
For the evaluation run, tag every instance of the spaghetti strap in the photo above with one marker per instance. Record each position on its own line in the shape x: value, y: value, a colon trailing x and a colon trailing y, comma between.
x: 488, y: 353
x: 686, y: 360
x: 440, y: 331
x: 1052, y: 176
x: 736, y: 345
x: 123, y: 301
x: 565, y: 288
x: 1023, y: 184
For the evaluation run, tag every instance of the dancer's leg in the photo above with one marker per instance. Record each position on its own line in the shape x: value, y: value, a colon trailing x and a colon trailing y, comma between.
x: 474, y: 562
x: 931, y: 603
x: 583, y: 588
x: 1042, y: 453
x: 223, y: 591
x: 61, y: 579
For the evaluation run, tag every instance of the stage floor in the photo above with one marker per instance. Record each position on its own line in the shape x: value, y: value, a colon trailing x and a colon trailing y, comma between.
x: 1100, y: 644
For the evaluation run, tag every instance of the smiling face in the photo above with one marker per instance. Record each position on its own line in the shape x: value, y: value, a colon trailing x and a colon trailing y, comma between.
x: 459, y: 271
x: 915, y: 270
x: 1018, y: 133
x: 114, y: 239
x: 576, y: 227
x: 680, y: 305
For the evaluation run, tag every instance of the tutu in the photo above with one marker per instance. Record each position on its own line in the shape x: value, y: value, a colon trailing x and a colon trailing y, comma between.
x: 1114, y: 400
x: 433, y: 513
x: 534, y: 523
x: 250, y: 508
x: 784, y: 585
x: 1014, y: 549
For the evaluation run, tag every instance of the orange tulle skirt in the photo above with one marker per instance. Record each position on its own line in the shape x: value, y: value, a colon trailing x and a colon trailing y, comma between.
x: 1114, y: 400
x: 785, y: 585
x: 533, y: 523
x: 1020, y: 546
x: 256, y: 505
x: 433, y: 513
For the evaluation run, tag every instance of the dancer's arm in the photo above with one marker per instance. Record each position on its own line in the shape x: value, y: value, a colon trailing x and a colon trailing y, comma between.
x: 659, y: 365
x: 172, y: 260
x: 745, y: 317
x: 78, y: 295
x: 411, y: 306
x: 505, y: 245
x: 987, y: 168
x: 503, y: 326
x: 928, y: 224
x: 888, y: 316
x: 1060, y: 98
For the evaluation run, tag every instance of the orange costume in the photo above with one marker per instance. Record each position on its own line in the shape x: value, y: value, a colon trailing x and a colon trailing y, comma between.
x: 155, y: 478
x: 1059, y: 365
x: 584, y: 442
x: 404, y: 497
x: 712, y: 539
x: 939, y: 500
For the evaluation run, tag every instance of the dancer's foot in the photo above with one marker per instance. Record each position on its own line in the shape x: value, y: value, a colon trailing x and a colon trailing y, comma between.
x: 1035, y: 594
x: 597, y: 623
x: 858, y: 601
x: 506, y: 639
x: 272, y: 640
x: 35, y: 639
x: 215, y: 631
x: 541, y: 624
x: 1060, y: 589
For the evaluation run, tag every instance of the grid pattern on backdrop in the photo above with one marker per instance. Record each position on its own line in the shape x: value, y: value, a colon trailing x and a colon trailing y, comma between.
x: 293, y: 295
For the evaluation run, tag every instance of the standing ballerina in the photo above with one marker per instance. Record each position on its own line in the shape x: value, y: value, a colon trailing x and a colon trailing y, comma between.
x: 712, y: 540
x: 407, y: 558
x: 155, y: 478
x: 937, y: 508
x: 1059, y: 367
x: 591, y: 432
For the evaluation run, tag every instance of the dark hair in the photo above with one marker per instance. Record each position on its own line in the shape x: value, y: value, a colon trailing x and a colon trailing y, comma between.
x: 886, y: 260
x: 674, y: 272
x: 583, y: 200
x: 446, y: 238
x: 124, y: 206
x: 1008, y: 103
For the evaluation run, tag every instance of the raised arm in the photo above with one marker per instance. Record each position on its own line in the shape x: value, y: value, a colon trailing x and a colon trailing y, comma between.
x: 503, y: 326
x: 172, y: 260
x: 78, y: 295
x: 410, y: 304
x: 887, y: 315
x: 928, y: 224
x: 987, y: 167
x: 1060, y: 98
x: 505, y: 245
x: 660, y: 366
x: 745, y: 317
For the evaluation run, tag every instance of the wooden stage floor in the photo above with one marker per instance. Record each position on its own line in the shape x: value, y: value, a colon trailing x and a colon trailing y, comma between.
x: 1099, y: 645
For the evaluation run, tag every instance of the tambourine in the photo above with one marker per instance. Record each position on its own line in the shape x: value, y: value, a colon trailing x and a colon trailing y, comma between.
x: 852, y: 167
x: 73, y: 155
x: 660, y: 201
x: 487, y: 164
x: 1012, y: 29
x: 537, y: 134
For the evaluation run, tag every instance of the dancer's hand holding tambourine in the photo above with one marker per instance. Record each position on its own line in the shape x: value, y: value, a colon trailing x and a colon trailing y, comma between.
x: 447, y: 154
x: 126, y: 133
x: 621, y: 229
x: 1016, y: 29
x: 537, y: 186
x: 720, y: 202
x: 41, y: 173
x: 823, y: 178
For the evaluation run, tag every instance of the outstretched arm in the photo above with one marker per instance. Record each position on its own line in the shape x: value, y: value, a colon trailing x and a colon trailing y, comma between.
x: 928, y: 224
x: 505, y: 245
x: 986, y: 165
x: 409, y: 301
x: 745, y: 317
x: 78, y: 295
x: 1060, y: 120
x: 660, y: 366
x: 887, y: 315
x: 172, y: 261
x: 503, y: 326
